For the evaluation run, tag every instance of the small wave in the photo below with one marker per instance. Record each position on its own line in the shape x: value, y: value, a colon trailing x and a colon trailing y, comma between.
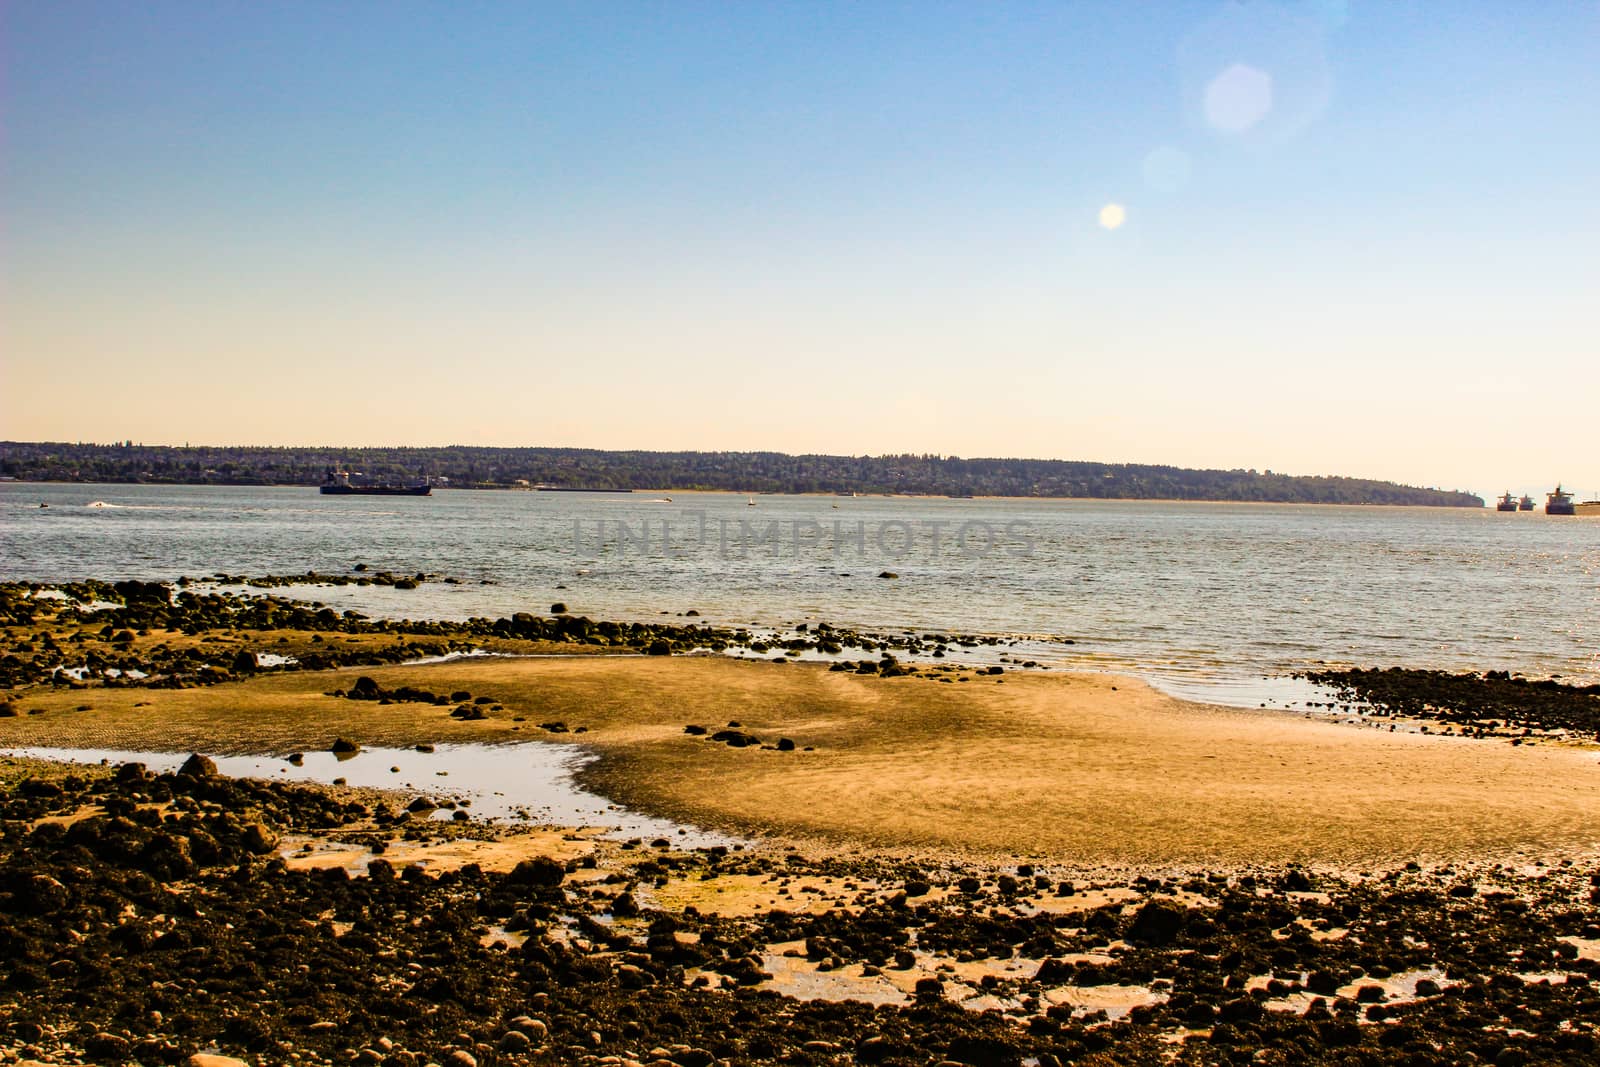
x: 449, y: 657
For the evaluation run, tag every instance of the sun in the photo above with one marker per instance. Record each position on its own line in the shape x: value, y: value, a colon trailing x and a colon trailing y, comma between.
x: 1113, y: 215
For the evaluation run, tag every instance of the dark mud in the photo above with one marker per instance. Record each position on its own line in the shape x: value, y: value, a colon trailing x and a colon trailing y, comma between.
x: 165, y: 923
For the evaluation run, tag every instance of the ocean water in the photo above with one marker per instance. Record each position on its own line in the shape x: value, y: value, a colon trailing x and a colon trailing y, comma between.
x: 1205, y: 599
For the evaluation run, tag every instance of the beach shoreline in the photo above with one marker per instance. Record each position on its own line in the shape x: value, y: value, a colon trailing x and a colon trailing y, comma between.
x: 907, y: 863
x: 1092, y: 769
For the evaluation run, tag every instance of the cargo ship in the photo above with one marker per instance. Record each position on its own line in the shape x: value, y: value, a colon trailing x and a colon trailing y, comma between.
x: 1507, y: 503
x: 337, y: 483
x: 1526, y: 503
x: 1559, y: 503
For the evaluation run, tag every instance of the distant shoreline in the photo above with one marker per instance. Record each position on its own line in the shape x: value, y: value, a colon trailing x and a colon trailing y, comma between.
x: 906, y: 474
x: 816, y: 495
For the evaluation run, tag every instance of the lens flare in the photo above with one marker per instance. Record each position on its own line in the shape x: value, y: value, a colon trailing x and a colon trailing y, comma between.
x: 1113, y: 215
x: 1238, y: 98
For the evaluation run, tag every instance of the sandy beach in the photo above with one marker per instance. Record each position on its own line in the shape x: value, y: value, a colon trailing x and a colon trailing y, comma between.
x: 1086, y: 769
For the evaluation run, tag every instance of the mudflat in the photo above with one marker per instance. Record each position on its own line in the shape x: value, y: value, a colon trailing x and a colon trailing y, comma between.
x: 1083, y: 769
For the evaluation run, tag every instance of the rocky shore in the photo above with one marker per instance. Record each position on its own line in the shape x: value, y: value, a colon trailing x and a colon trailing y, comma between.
x: 153, y: 634
x: 195, y: 918
x: 1494, y: 704
x: 152, y: 918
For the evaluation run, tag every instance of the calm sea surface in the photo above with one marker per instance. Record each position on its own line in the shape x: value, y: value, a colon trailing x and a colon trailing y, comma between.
x: 1199, y: 597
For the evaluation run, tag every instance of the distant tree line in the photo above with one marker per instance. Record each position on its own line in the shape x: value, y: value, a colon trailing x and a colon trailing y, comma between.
x: 743, y: 472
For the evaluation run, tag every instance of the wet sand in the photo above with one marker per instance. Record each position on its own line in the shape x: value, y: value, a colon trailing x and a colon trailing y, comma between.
x: 1083, y: 769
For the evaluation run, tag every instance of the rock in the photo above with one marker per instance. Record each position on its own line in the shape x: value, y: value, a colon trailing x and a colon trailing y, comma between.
x: 1323, y: 983
x: 1054, y: 972
x: 537, y: 871
x: 929, y: 988
x: 694, y: 730
x: 107, y: 1048
x: 630, y: 976
x: 258, y: 839
x: 1242, y: 1010
x: 365, y: 689
x: 209, y: 1059
x: 785, y: 745
x: 558, y: 608
x: 887, y: 574
x: 198, y: 766
x: 46, y: 894
x: 1157, y: 923
x: 659, y: 647
x: 535, y: 1029
x: 245, y: 662
x: 461, y: 1058
x: 736, y: 738
x: 515, y: 1041
x: 341, y: 745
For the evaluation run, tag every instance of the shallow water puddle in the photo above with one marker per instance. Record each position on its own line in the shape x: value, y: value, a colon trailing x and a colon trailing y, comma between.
x: 1397, y: 989
x: 1588, y: 948
x: 799, y: 978
x: 1115, y: 1000
x: 529, y: 783
x: 795, y: 976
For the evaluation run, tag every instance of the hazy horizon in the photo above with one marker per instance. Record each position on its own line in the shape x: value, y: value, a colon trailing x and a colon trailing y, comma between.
x: 1313, y: 237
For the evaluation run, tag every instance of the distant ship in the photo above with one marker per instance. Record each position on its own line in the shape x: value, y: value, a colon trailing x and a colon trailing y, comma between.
x: 1525, y: 504
x: 1507, y: 502
x: 337, y: 483
x: 1559, y: 503
x: 1587, y: 507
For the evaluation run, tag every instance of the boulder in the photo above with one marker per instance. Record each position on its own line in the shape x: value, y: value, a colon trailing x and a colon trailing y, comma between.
x: 107, y: 1048
x: 198, y: 766
x: 365, y: 689
x: 258, y: 839
x: 534, y: 1029
x: 537, y: 871
x: 1157, y: 923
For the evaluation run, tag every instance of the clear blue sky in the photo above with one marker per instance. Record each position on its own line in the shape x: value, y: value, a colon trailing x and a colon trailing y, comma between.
x: 1356, y: 237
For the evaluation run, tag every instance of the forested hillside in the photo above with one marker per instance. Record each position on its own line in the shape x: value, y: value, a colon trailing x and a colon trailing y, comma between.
x: 745, y: 472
